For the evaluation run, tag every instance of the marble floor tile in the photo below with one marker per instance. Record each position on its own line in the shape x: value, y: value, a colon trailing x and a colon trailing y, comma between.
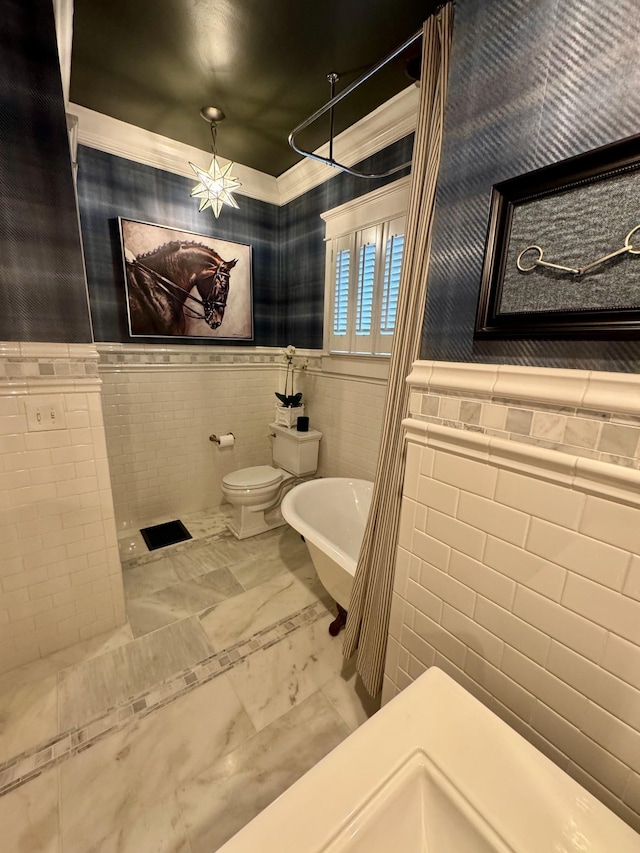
x: 29, y: 816
x: 159, y: 829
x: 148, y: 578
x: 221, y: 582
x: 147, y: 616
x: 28, y: 707
x: 207, y: 522
x: 272, y: 681
x: 282, y: 552
x: 202, y: 558
x: 115, y: 783
x: 349, y: 697
x: 29, y: 693
x: 220, y: 801
x: 181, y: 600
x: 243, y: 615
x: 92, y: 648
x: 94, y: 686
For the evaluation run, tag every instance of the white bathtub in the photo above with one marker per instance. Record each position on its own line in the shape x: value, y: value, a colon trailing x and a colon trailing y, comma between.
x: 331, y: 514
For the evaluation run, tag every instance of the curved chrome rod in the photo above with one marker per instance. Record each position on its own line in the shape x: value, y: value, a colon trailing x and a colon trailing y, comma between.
x: 329, y: 106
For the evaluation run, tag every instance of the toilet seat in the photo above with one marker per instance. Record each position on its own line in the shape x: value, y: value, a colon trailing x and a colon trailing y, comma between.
x: 259, y: 476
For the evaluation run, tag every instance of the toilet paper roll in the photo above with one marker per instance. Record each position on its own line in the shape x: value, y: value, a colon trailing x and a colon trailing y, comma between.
x: 226, y: 440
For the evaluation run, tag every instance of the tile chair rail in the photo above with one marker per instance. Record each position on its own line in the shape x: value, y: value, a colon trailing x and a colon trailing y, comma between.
x: 605, y: 436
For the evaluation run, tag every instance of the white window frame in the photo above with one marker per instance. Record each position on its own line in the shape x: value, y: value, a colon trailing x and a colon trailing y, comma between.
x: 345, y: 226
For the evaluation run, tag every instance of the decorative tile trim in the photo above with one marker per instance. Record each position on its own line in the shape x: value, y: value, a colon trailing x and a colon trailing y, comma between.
x: 31, y: 368
x: 601, y: 436
x: 31, y: 763
x: 591, y: 390
x: 118, y: 357
x: 592, y: 415
x: 593, y: 476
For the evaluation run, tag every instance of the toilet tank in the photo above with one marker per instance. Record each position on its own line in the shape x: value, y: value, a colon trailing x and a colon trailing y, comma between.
x: 295, y: 452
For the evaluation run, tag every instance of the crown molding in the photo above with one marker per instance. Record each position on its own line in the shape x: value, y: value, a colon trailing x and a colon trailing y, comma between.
x: 390, y: 122
x: 151, y: 149
x: 387, y: 124
x: 386, y: 202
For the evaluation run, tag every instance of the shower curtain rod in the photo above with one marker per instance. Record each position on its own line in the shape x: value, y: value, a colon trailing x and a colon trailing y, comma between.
x: 331, y: 104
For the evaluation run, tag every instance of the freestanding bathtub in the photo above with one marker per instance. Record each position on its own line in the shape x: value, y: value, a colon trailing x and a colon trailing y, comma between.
x: 331, y: 514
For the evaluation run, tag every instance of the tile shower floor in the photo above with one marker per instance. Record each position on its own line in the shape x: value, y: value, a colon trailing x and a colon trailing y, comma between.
x: 172, y: 732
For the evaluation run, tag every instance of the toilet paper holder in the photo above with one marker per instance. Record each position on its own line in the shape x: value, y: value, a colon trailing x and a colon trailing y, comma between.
x: 217, y: 438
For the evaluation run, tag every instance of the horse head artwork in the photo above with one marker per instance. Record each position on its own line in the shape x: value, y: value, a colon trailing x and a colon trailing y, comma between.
x: 160, y: 284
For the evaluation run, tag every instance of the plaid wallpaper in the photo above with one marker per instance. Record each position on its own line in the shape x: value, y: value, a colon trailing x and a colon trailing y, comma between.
x: 529, y: 84
x: 302, y: 248
x: 110, y: 186
x: 288, y: 242
x: 42, y: 286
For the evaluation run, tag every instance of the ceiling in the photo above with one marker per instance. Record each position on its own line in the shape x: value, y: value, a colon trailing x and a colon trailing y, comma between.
x: 155, y: 63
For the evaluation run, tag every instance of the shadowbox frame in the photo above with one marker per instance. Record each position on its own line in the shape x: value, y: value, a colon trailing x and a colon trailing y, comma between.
x: 598, y: 164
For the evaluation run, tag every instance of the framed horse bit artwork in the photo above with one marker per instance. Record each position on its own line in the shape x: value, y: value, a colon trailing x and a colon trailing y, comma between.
x: 184, y: 285
x: 562, y: 257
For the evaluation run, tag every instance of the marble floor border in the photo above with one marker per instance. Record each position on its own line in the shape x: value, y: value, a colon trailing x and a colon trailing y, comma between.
x: 31, y: 763
x: 177, y: 548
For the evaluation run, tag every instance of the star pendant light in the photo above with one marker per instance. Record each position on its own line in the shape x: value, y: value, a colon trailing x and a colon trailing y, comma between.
x: 216, y: 184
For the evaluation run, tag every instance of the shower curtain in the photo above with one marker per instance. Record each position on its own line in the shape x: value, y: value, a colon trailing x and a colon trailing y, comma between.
x: 370, y: 605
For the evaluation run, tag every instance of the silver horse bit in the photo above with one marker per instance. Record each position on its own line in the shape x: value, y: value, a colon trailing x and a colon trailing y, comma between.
x: 538, y: 262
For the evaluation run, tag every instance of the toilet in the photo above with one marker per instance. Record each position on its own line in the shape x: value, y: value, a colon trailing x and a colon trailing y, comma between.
x: 255, y: 493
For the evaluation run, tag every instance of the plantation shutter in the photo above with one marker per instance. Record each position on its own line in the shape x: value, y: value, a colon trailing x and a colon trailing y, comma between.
x: 341, y: 292
x: 393, y: 253
x: 366, y: 278
x: 368, y: 248
x: 363, y: 279
x: 391, y: 284
x: 340, y: 254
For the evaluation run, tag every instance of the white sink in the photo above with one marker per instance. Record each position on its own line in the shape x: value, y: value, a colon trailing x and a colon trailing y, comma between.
x: 416, y: 810
x: 434, y: 771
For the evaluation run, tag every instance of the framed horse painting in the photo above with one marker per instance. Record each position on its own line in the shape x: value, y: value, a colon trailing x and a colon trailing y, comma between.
x: 181, y: 284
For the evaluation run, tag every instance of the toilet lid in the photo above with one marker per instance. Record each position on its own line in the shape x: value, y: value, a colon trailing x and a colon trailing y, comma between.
x: 247, y: 478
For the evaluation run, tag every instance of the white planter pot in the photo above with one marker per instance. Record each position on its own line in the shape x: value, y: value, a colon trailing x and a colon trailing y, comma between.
x: 288, y: 416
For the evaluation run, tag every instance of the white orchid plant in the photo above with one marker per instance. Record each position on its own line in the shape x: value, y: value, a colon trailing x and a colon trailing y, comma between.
x: 291, y: 400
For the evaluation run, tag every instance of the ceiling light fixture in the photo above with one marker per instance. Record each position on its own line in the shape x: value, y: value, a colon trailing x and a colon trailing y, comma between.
x: 216, y: 184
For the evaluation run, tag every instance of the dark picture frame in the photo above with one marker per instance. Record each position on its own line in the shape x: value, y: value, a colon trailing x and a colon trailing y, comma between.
x: 184, y: 285
x: 568, y: 177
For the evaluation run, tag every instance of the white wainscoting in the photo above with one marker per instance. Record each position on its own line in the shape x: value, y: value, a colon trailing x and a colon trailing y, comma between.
x: 518, y: 567
x: 60, y: 575
x: 161, y: 404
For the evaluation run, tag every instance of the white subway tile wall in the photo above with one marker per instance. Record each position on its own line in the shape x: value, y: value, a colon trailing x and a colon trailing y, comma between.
x: 162, y: 404
x: 60, y: 575
x: 158, y: 422
x: 348, y: 412
x: 527, y: 593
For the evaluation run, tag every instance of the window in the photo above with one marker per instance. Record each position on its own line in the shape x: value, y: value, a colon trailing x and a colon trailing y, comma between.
x: 363, y: 272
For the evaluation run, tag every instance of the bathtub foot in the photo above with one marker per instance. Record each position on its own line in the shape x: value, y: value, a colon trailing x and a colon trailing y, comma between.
x: 339, y: 622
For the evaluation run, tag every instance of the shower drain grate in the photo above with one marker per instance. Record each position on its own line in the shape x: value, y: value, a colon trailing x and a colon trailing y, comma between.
x: 161, y: 535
